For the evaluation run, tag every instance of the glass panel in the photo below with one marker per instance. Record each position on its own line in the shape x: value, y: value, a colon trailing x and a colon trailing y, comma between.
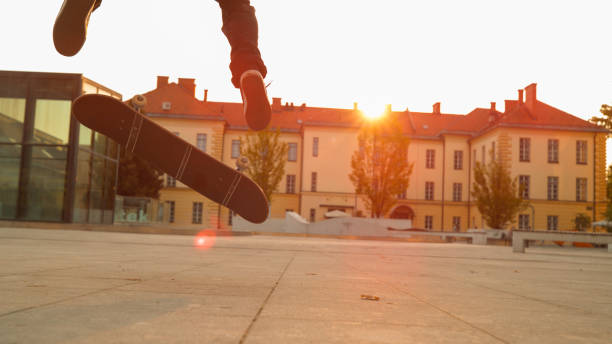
x: 112, y: 149
x: 52, y: 121
x: 10, y: 161
x: 100, y: 143
x: 84, y: 137
x: 81, y: 191
x: 96, y: 193
x: 46, y: 177
x: 12, y: 113
x: 108, y: 201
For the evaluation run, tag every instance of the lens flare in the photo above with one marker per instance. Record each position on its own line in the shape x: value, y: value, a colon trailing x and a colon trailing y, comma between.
x: 205, y: 239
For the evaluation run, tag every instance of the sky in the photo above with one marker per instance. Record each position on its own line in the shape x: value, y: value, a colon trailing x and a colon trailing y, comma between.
x: 332, y: 53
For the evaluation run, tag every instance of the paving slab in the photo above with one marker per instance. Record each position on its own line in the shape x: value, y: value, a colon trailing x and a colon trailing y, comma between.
x: 75, y: 286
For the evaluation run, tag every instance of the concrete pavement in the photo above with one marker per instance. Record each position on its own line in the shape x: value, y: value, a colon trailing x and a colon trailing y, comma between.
x: 93, y: 287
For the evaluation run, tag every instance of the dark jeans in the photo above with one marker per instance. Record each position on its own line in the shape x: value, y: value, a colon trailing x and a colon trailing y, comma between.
x: 240, y: 28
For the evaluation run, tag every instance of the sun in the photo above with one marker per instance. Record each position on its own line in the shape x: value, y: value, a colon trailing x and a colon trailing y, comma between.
x: 372, y: 111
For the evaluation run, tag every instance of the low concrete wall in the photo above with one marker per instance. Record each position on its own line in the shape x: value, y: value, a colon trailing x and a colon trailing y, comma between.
x: 519, y: 237
x: 344, y: 226
x: 352, y: 227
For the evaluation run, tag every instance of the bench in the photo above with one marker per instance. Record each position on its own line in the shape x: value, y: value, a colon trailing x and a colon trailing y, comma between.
x: 477, y: 237
x: 519, y: 238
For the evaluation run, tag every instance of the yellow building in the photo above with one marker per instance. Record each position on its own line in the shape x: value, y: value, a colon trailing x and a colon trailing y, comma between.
x: 560, y: 158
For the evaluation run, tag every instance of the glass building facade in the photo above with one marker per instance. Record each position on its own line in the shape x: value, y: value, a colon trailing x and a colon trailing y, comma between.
x: 52, y: 168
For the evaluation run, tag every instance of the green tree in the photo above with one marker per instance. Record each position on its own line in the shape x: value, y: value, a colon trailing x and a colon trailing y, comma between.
x: 380, y: 168
x: 497, y: 194
x: 608, y: 213
x: 266, y: 159
x: 137, y: 177
x: 606, y: 120
x: 582, y: 222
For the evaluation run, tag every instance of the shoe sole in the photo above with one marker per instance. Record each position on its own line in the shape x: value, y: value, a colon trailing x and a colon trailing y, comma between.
x: 257, y: 107
x: 70, y: 29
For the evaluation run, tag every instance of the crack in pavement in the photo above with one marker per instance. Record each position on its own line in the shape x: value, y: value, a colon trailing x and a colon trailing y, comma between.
x: 248, y: 330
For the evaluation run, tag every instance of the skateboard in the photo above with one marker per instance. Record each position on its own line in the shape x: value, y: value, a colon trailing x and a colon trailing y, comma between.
x: 172, y: 155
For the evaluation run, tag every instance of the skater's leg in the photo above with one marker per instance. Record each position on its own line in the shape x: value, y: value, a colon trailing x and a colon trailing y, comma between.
x: 248, y: 70
x: 240, y: 28
x: 70, y: 29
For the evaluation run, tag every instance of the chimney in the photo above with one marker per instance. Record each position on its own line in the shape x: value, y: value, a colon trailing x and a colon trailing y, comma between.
x: 520, y: 97
x: 187, y: 84
x: 205, y: 96
x: 436, y: 108
x: 276, y: 104
x: 531, y: 99
x: 492, y: 113
x: 508, y: 105
x: 162, y: 81
x: 355, y: 106
x: 388, y: 108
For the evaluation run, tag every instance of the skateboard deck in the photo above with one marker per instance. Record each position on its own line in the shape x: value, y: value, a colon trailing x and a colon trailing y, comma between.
x: 172, y: 155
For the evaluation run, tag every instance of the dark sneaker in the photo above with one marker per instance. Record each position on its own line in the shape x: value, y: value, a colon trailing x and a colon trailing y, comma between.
x: 257, y: 109
x: 70, y: 27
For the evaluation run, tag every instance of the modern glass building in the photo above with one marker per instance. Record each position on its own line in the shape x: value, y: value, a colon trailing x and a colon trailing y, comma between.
x: 52, y: 168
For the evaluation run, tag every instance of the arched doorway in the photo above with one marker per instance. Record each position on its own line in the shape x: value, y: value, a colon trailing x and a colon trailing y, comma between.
x: 403, y: 212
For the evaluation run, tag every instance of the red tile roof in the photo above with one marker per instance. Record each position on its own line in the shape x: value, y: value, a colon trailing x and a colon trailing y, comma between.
x: 417, y: 124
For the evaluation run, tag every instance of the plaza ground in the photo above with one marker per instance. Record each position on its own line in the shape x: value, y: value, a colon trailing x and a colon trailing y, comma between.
x: 72, y: 286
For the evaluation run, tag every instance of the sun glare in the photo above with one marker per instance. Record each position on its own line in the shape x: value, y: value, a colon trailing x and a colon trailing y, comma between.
x: 372, y: 111
x: 204, y: 240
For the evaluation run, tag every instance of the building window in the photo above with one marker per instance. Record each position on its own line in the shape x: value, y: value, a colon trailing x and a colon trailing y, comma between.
x: 171, y: 206
x: 230, y: 216
x: 196, y: 213
x: 402, y: 195
x: 315, y: 146
x: 201, y: 142
x: 493, y: 150
x: 429, y: 191
x: 292, y: 154
x: 428, y: 222
x: 524, y: 182
x: 523, y: 222
x: 474, y: 159
x: 581, y: 152
x: 313, y: 214
x: 430, y: 156
x: 235, y: 149
x: 553, y: 151
x: 291, y: 183
x: 553, y: 188
x: 524, y: 149
x: 552, y: 222
x: 581, y: 189
x: 458, y: 160
x: 456, y: 224
x: 457, y: 191
x: 484, y: 155
x: 313, y: 182
x: 170, y: 181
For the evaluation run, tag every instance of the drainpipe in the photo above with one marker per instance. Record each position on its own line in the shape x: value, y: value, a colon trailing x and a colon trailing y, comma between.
x: 594, y: 178
x: 469, y: 195
x: 443, y: 176
x: 299, y: 190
